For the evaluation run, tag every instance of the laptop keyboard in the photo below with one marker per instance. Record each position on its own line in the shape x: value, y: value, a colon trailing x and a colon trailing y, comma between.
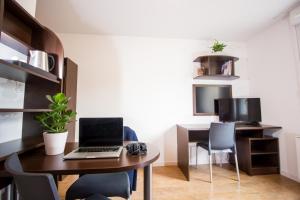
x: 98, y: 149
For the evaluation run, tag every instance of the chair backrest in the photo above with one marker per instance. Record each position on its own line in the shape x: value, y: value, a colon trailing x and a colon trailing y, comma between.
x: 129, y: 134
x: 222, y: 136
x: 31, y: 186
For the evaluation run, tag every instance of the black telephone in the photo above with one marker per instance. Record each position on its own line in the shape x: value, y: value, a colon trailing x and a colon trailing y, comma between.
x: 136, y: 148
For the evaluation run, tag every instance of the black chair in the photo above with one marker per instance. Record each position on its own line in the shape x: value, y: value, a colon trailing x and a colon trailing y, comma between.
x: 221, y: 139
x: 34, y: 186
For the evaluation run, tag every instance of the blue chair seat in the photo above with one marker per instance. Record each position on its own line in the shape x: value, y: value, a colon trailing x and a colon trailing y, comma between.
x: 107, y: 184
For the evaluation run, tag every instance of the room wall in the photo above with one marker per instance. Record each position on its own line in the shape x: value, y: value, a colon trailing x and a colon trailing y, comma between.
x: 273, y: 75
x: 145, y: 80
x: 29, y: 5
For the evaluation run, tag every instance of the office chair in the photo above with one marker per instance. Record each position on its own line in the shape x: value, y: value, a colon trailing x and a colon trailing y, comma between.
x: 130, y: 135
x: 221, y: 139
x: 36, y: 186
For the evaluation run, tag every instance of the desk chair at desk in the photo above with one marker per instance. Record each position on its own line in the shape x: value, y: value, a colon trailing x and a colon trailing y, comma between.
x: 251, y: 143
x: 221, y: 138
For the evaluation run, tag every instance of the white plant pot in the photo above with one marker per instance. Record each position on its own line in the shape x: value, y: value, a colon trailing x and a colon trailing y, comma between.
x: 55, y: 142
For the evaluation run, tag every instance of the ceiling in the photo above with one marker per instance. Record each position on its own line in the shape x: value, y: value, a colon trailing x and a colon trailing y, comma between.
x: 234, y: 20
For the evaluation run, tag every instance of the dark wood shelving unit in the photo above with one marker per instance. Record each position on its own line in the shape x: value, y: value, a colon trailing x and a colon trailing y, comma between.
x: 22, y: 32
x: 23, y: 110
x: 211, y: 67
x: 258, y: 154
x: 216, y: 77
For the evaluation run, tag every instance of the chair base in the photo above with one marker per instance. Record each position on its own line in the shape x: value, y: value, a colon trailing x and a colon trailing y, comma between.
x: 221, y: 161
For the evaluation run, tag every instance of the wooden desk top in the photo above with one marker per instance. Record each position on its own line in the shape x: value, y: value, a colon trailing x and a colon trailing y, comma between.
x: 38, y: 161
x: 205, y: 127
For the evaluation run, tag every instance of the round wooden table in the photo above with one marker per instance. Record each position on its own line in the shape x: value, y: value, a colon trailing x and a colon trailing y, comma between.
x: 38, y: 162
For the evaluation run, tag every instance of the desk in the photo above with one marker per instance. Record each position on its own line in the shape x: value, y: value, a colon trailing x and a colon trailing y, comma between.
x: 246, y: 137
x: 36, y: 161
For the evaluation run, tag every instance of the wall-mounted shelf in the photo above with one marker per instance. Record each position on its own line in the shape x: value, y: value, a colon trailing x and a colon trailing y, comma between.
x: 216, y: 77
x: 23, y: 72
x: 216, y: 67
x: 9, y: 110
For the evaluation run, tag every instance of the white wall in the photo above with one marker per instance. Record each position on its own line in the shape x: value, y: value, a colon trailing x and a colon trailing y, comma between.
x: 29, y: 5
x: 147, y: 81
x: 273, y: 77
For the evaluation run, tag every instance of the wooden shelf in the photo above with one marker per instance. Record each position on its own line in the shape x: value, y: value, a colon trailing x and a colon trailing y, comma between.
x: 254, y: 153
x: 263, y: 166
x: 216, y: 67
x: 23, y: 110
x: 20, y: 146
x: 23, y: 72
x: 220, y: 58
x: 216, y: 77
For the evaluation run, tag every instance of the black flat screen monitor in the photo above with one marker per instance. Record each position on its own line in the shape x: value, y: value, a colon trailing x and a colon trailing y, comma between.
x: 205, y: 95
x: 239, y: 110
x: 95, y: 132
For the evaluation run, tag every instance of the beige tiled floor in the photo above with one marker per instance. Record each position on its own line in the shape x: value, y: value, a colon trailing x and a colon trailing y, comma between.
x: 169, y: 184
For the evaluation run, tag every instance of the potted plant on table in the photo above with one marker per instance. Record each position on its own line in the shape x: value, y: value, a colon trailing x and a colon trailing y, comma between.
x: 55, y: 123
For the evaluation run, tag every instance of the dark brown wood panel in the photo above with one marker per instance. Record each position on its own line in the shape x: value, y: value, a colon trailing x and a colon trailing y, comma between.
x: 20, y: 146
x: 70, y: 90
x: 197, y: 136
x: 183, y: 151
x: 36, y: 91
x: 17, y: 28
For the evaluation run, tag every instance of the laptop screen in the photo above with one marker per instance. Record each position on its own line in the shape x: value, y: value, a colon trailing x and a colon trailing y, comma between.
x: 100, y: 132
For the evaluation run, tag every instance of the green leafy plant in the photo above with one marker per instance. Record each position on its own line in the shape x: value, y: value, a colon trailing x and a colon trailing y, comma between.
x: 218, y: 46
x: 56, y: 120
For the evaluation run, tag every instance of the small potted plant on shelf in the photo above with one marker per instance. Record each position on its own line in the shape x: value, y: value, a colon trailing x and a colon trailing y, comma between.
x: 217, y: 46
x: 55, y: 123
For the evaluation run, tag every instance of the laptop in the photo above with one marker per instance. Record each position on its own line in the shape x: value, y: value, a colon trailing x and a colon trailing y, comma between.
x: 98, y: 138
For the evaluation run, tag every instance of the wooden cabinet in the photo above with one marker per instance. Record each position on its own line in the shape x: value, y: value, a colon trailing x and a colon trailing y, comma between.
x: 258, y: 155
x: 70, y: 90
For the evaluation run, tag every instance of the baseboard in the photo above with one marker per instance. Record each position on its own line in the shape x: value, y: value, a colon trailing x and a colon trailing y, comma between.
x: 290, y: 176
